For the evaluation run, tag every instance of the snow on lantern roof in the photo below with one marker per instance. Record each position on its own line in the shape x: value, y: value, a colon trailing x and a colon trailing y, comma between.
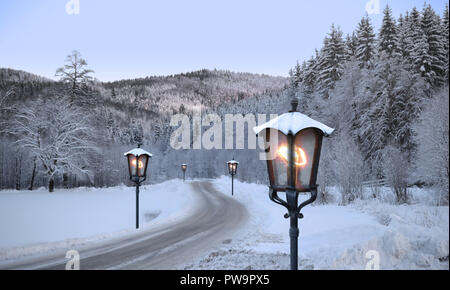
x: 293, y: 122
x: 233, y: 162
x: 138, y: 152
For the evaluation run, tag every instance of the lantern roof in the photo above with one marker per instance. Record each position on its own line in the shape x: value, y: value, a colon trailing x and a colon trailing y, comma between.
x: 233, y: 162
x: 138, y: 152
x: 293, y: 122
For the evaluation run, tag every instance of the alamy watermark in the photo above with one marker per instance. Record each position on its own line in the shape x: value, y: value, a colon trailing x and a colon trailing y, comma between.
x: 73, y: 7
x: 227, y: 133
x: 74, y: 260
x: 374, y: 260
x: 373, y: 7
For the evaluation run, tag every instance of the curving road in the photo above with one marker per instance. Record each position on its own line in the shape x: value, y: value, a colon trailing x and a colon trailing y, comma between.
x: 167, y: 246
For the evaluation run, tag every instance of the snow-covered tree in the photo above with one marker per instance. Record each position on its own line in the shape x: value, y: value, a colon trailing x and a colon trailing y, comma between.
x: 421, y: 60
x: 350, y: 101
x: 331, y: 59
x: 404, y: 45
x: 381, y: 113
x: 310, y: 75
x: 366, y: 43
x: 349, y: 167
x: 297, y: 76
x: 351, y: 44
x: 434, y: 71
x: 410, y: 33
x: 432, y: 133
x: 445, y: 30
x: 396, y: 169
x: 396, y: 105
x: 137, y: 132
x: 76, y: 74
x: 57, y: 134
x: 4, y: 99
x: 388, y: 37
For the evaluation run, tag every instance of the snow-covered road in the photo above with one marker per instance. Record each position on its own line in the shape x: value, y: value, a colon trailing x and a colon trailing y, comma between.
x: 198, y: 225
x: 211, y: 220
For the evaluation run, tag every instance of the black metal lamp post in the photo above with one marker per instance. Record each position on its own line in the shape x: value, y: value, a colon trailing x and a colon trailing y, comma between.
x: 184, y: 168
x: 137, y: 166
x: 232, y: 170
x: 293, y: 144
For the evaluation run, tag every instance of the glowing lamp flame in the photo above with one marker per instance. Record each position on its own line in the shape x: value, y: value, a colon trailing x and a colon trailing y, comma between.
x: 300, y: 158
x: 140, y: 163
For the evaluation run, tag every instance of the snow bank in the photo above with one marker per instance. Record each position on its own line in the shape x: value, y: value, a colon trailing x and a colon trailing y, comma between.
x: 38, y: 221
x: 416, y: 195
x: 334, y: 237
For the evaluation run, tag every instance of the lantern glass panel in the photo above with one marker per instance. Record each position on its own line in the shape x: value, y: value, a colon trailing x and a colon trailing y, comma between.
x: 304, y: 157
x: 142, y: 164
x: 277, y: 146
x: 232, y: 167
x: 132, y: 165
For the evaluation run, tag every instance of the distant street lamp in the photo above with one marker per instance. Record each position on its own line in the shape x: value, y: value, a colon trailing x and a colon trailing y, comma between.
x: 232, y: 170
x: 137, y: 166
x: 184, y: 168
x: 293, y: 144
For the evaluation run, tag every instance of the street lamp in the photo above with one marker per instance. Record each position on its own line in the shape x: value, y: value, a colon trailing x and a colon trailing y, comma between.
x: 293, y: 143
x: 232, y: 170
x: 137, y: 167
x: 184, y: 168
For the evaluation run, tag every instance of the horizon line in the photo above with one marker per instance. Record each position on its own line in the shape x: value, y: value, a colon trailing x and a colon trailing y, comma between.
x: 151, y: 76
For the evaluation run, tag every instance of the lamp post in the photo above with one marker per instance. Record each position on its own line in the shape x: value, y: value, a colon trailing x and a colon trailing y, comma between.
x: 293, y: 144
x: 184, y: 168
x: 232, y: 170
x: 137, y: 167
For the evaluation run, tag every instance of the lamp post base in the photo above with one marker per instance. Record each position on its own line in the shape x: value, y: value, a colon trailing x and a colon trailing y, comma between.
x: 232, y: 185
x: 292, y: 200
x: 291, y: 204
x: 137, y: 205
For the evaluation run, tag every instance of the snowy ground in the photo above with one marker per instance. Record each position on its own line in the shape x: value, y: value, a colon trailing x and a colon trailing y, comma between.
x: 39, y: 222
x: 335, y: 237
x: 412, y: 236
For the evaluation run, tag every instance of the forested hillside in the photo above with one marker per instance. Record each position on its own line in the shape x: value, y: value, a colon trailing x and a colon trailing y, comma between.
x: 382, y: 92
x: 118, y: 114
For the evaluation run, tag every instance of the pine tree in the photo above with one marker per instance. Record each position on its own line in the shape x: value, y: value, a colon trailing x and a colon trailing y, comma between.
x: 415, y: 45
x: 388, y: 37
x: 331, y: 60
x: 380, y: 121
x: 432, y: 29
x: 310, y: 76
x: 445, y: 28
x: 398, y: 96
x: 403, y: 30
x: 366, y: 43
x: 409, y: 95
x: 351, y: 44
x: 421, y: 59
x: 297, y: 75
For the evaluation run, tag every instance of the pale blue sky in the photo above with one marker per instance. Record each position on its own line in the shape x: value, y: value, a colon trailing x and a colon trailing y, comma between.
x: 128, y: 39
